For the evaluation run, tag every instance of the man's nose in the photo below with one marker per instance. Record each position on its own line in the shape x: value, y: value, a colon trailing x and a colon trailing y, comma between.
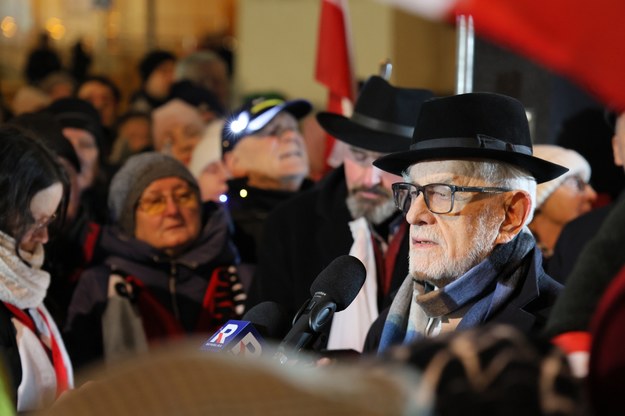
x: 419, y: 213
x: 372, y: 176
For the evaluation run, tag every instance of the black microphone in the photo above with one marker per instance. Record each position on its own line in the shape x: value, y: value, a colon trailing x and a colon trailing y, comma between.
x: 333, y: 290
x: 270, y: 319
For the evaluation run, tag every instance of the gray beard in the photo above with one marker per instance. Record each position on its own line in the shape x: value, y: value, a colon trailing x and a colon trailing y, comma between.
x: 446, y: 272
x: 374, y: 213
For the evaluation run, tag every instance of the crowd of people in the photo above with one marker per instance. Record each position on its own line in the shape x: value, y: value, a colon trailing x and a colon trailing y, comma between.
x: 486, y: 255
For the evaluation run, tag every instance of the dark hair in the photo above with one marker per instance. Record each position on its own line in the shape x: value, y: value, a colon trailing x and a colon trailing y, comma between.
x: 129, y: 115
x: 104, y: 80
x: 27, y: 166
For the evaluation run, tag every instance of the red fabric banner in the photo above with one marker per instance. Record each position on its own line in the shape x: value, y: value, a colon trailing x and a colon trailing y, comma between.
x: 580, y: 39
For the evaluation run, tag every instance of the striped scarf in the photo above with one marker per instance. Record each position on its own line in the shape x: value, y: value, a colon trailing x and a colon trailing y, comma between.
x: 484, y: 288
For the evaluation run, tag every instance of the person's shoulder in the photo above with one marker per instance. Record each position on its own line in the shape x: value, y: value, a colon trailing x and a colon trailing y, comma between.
x: 304, y: 201
x: 582, y: 228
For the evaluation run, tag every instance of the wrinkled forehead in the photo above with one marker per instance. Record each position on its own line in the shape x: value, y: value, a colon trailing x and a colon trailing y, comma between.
x: 440, y: 170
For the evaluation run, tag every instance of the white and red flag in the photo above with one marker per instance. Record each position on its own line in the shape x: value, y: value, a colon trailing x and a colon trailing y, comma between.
x: 334, y: 67
x: 580, y: 39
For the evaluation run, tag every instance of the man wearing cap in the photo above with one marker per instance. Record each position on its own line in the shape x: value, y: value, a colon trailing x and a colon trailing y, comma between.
x: 351, y: 211
x: 468, y: 193
x: 264, y: 151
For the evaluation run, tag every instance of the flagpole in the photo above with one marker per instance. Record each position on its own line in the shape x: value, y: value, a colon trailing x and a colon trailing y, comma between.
x: 465, y: 46
x: 386, y: 69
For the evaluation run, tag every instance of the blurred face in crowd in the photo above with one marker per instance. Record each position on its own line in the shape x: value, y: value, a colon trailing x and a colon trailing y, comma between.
x: 168, y: 215
x: 86, y: 148
x: 571, y: 199
x: 273, y: 158
x: 136, y: 131
x: 43, y: 208
x: 102, y: 98
x: 213, y: 181
x: 445, y: 246
x: 182, y: 139
x: 369, y: 189
x: 159, y: 82
x: 214, y: 77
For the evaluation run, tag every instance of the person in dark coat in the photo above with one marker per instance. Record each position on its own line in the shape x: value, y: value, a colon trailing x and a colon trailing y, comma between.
x: 587, y: 258
x: 468, y: 193
x: 264, y: 151
x: 169, y: 258
x: 576, y: 234
x: 351, y: 211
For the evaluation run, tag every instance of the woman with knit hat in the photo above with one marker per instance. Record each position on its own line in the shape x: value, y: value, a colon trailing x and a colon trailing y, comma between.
x: 560, y: 200
x: 169, y: 270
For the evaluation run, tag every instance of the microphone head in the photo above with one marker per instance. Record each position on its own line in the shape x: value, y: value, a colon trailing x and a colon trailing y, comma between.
x: 341, y: 280
x: 270, y: 319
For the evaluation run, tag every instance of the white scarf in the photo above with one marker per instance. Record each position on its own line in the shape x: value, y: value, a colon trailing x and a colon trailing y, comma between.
x: 21, y: 284
x: 350, y: 326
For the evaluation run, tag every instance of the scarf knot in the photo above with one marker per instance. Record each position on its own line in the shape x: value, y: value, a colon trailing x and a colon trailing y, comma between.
x: 483, y: 290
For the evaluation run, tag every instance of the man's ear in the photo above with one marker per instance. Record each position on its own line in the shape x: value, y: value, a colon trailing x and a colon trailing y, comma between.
x: 517, y: 209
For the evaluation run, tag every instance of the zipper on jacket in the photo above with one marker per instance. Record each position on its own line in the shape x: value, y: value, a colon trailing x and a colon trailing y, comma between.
x: 172, y: 291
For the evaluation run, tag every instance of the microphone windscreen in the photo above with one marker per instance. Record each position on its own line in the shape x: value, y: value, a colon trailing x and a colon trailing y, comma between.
x: 341, y: 280
x: 270, y: 319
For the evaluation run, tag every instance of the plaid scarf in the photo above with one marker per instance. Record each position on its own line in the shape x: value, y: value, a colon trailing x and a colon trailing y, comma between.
x: 484, y: 288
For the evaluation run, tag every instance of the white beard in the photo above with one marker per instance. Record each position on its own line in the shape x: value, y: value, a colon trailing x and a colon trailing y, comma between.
x: 444, y: 270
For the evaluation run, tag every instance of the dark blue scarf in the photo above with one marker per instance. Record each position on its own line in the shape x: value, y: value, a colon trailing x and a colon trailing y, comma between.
x: 486, y: 287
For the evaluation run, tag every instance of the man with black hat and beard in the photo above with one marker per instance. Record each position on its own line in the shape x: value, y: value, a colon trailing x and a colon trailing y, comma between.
x: 468, y: 193
x: 351, y: 211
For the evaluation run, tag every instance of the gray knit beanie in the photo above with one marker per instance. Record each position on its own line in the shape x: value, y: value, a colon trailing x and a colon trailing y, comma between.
x: 133, y: 177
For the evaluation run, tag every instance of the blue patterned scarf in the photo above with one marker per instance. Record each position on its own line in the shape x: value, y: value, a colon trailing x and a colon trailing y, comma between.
x: 485, y: 287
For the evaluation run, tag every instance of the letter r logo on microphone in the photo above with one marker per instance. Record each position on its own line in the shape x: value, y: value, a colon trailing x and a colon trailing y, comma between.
x: 224, y: 333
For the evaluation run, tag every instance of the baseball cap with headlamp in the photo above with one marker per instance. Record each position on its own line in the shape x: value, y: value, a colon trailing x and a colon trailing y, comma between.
x: 255, y: 115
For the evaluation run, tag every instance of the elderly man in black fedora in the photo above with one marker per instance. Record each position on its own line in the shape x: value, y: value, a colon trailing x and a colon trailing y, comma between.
x: 351, y: 211
x: 468, y: 193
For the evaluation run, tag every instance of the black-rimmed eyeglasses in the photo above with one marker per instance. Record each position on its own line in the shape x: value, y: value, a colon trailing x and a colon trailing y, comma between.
x: 439, y: 197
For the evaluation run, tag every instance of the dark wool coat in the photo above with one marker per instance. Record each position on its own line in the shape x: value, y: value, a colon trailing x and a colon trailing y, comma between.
x: 249, y: 213
x: 302, y: 236
x: 599, y: 262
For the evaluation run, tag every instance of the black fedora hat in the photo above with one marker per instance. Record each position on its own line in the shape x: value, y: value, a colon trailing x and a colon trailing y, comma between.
x: 474, y: 125
x: 383, y: 119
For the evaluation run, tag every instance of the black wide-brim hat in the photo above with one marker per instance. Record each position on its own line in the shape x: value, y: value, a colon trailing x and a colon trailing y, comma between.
x: 474, y: 125
x: 383, y: 119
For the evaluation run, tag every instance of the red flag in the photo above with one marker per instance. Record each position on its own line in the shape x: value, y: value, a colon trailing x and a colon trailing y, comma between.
x: 334, y: 67
x: 581, y: 39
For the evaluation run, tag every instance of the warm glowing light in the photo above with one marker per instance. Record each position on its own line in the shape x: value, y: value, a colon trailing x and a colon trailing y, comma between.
x: 243, y: 193
x: 8, y: 27
x: 55, y: 28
